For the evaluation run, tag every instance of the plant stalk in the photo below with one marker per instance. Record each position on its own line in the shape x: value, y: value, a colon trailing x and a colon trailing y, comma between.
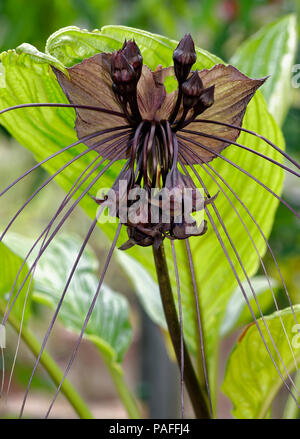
x: 197, y: 394
x: 126, y: 396
x: 117, y: 375
x: 52, y: 368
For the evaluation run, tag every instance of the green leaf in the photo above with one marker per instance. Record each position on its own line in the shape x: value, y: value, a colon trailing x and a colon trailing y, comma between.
x: 10, y: 264
x: 271, y: 51
x: 109, y: 322
x: 237, y: 312
x: 71, y: 45
x: 44, y: 131
x: 39, y: 57
x: 109, y: 325
x: 108, y: 328
x: 251, y: 380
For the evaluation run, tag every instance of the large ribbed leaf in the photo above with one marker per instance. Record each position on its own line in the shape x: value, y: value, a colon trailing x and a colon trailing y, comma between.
x: 70, y: 45
x: 44, y: 131
x: 251, y: 379
x: 109, y: 326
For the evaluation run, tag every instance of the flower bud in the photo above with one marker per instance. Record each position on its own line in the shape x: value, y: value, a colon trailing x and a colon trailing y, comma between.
x: 184, y: 56
x: 192, y: 90
x: 133, y: 55
x: 122, y: 74
x: 187, y: 229
x: 206, y: 100
x: 142, y: 236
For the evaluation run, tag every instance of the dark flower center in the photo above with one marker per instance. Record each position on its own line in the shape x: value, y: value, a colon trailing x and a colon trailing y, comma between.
x: 154, y: 154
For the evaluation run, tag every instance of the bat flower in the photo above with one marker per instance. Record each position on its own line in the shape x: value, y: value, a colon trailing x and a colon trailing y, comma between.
x: 150, y: 124
x: 124, y: 113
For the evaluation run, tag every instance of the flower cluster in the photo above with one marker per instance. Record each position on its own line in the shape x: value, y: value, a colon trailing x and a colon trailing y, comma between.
x: 123, y: 112
x: 154, y: 119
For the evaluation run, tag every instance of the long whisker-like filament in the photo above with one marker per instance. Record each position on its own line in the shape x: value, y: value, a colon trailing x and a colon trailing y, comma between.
x: 257, y: 225
x: 54, y: 175
x: 253, y: 292
x: 265, y: 157
x: 58, y: 308
x: 107, y: 262
x: 264, y: 238
x: 248, y: 303
x: 255, y: 247
x: 249, y: 306
x: 85, y: 107
x: 21, y: 326
x: 60, y: 225
x: 65, y: 201
x: 80, y: 253
x: 192, y: 270
x: 181, y: 329
x: 242, y: 170
x: 253, y: 133
x: 64, y: 293
x: 83, y: 139
x: 67, y: 198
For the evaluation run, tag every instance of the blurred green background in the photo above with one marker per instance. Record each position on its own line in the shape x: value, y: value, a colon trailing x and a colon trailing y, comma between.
x: 216, y: 25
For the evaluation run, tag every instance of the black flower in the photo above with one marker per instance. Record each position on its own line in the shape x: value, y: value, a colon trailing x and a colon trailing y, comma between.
x: 154, y: 148
x: 124, y: 112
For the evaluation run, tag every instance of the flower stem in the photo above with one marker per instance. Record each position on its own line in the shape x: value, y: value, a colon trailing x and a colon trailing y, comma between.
x: 126, y: 396
x: 197, y: 393
x: 52, y: 368
x: 117, y: 374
